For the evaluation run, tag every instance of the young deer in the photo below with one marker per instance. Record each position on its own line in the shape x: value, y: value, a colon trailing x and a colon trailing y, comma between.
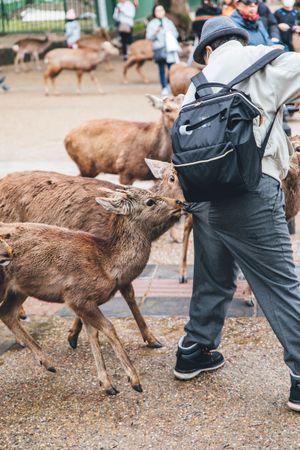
x: 67, y: 201
x: 81, y: 270
x: 79, y: 60
x: 33, y: 46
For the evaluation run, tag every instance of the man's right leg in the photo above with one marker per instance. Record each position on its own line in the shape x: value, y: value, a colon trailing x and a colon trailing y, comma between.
x: 214, y: 284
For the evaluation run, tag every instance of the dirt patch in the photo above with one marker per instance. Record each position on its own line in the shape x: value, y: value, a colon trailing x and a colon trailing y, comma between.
x: 240, y: 406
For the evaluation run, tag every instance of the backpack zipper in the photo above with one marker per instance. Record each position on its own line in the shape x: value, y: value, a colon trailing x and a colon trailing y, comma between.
x: 205, y: 160
x: 203, y: 102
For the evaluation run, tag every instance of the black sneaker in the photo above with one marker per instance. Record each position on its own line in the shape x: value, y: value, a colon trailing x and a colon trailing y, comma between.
x: 195, y: 359
x: 294, y: 400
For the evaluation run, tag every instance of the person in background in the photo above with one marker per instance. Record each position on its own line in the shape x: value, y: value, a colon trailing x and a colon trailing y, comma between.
x: 3, y: 85
x: 288, y: 19
x: 269, y: 22
x: 72, y: 28
x: 246, y: 17
x: 124, y: 14
x: 206, y: 11
x: 228, y: 6
x: 163, y: 34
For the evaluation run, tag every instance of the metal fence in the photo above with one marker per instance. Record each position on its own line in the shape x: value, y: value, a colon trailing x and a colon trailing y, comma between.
x: 27, y: 16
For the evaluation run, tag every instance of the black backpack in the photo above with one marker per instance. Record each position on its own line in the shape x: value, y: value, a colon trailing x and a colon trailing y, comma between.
x: 215, y: 153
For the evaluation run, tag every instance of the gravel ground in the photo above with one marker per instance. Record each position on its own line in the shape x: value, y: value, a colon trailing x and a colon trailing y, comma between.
x: 242, y: 406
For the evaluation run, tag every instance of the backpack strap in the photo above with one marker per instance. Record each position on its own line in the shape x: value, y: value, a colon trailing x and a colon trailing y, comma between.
x: 265, y: 141
x: 199, y: 80
x: 258, y: 65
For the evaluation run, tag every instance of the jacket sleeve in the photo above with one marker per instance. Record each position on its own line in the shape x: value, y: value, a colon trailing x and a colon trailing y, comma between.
x: 273, y: 26
x: 151, y: 32
x: 173, y: 29
x: 287, y: 79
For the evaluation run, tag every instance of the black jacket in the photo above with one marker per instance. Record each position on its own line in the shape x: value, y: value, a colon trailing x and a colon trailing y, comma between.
x: 269, y: 21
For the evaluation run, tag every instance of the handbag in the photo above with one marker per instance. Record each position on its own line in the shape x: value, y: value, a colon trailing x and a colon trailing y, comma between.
x: 160, y: 55
x: 172, y: 43
x: 124, y: 28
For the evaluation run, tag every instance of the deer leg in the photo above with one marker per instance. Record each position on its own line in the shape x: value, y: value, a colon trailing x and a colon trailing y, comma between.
x: 16, y: 63
x: 103, y: 377
x: 128, y: 64
x: 96, y: 82
x: 37, y: 60
x: 79, y: 80
x: 249, y: 296
x: 74, y: 332
x: 140, y: 72
x: 128, y: 294
x: 9, y: 311
x: 108, y: 64
x: 91, y: 314
x: 188, y: 225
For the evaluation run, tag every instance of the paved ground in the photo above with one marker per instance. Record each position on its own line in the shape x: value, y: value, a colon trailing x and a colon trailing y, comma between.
x: 242, y: 406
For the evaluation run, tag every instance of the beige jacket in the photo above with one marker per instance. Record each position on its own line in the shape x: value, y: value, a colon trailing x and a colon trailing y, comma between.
x: 270, y: 89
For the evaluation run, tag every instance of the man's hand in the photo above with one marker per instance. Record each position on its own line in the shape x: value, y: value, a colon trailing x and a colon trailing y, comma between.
x: 283, y: 26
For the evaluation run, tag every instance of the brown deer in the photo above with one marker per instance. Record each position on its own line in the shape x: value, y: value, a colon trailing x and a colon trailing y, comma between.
x: 180, y: 77
x: 79, y: 60
x: 67, y: 201
x: 81, y: 270
x: 119, y: 146
x: 138, y: 53
x: 94, y: 41
x: 32, y: 46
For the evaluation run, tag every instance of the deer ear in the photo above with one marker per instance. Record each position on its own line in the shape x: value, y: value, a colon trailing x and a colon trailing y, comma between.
x: 157, y: 167
x: 116, y: 205
x: 155, y: 101
x: 179, y: 99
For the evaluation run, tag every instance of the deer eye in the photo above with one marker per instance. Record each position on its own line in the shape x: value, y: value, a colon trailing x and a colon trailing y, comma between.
x: 172, y: 178
x: 150, y: 202
x: 168, y: 110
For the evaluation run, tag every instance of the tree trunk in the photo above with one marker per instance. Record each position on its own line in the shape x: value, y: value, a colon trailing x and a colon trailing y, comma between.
x: 179, y: 7
x: 175, y: 6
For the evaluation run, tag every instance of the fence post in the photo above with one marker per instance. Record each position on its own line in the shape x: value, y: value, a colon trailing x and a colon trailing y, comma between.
x: 2, y: 17
x: 101, y: 11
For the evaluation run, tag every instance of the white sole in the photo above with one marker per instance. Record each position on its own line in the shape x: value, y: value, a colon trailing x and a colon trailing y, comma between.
x: 189, y: 376
x: 294, y: 406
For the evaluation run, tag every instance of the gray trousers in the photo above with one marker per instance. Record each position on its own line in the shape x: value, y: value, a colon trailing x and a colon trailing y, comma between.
x: 249, y: 230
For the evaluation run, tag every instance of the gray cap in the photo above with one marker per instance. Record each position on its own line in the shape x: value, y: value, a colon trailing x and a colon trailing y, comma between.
x: 217, y: 28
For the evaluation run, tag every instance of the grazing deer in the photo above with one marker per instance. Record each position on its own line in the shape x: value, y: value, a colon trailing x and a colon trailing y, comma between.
x: 77, y: 268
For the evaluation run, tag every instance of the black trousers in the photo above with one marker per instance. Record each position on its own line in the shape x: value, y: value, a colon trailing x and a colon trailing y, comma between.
x: 126, y: 39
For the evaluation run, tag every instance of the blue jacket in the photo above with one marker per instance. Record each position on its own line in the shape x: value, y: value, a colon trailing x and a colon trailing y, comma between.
x: 256, y: 30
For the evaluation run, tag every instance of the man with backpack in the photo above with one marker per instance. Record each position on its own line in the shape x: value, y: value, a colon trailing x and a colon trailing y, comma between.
x: 237, y: 202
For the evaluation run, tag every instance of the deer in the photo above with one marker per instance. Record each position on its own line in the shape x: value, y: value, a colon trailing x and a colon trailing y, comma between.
x: 141, y: 51
x: 79, y: 60
x: 81, y: 270
x: 33, y: 46
x: 120, y: 146
x: 94, y: 41
x: 68, y: 201
x: 180, y: 77
x: 138, y: 53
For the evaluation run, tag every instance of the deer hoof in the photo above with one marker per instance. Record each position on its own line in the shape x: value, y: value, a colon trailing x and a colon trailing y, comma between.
x: 137, y: 387
x: 73, y: 342
x: 51, y: 369
x: 183, y: 279
x: 111, y: 391
x: 155, y: 344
